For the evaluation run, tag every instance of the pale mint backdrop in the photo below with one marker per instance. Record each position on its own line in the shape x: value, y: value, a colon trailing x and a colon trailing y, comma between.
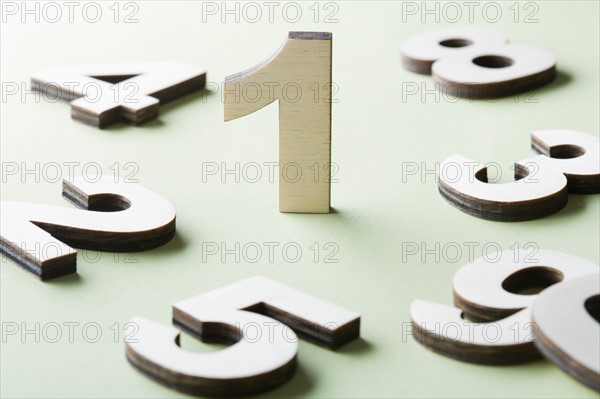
x: 378, y: 210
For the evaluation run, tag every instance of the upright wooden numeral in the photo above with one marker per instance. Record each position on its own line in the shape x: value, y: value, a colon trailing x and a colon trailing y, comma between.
x: 570, y: 162
x: 568, y: 317
x: 255, y: 315
x: 299, y: 76
x: 102, y: 95
x: 118, y: 217
x: 477, y: 62
x: 492, y: 324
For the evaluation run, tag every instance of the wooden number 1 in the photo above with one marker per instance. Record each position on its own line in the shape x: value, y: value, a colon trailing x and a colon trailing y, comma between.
x: 299, y: 76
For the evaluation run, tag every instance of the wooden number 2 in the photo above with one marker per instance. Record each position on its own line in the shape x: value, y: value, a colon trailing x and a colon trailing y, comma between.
x: 255, y: 315
x: 492, y: 321
x: 567, y: 316
x: 102, y: 95
x: 299, y: 76
x: 117, y: 217
x: 477, y: 62
x: 569, y: 162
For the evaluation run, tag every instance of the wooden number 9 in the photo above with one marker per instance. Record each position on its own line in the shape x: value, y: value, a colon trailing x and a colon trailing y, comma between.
x: 492, y: 321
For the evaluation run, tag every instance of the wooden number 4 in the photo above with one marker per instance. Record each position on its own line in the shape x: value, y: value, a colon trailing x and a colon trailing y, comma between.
x: 102, y: 95
x: 299, y: 76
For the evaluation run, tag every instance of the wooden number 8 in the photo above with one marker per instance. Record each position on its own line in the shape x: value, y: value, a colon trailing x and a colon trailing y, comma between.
x: 478, y: 62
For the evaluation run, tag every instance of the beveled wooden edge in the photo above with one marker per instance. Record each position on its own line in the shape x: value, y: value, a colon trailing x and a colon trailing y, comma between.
x: 504, y: 211
x: 291, y: 36
x: 236, y: 77
x: 422, y: 67
x: 565, y: 362
x: 495, y: 90
x: 314, y: 333
x: 478, y: 354
x: 211, y: 386
x: 298, y: 35
x: 115, y: 115
x: 575, y: 184
x: 46, y: 270
x: 106, y: 241
x: 480, y: 314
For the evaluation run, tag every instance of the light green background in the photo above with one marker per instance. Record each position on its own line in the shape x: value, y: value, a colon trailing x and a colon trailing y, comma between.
x: 374, y: 132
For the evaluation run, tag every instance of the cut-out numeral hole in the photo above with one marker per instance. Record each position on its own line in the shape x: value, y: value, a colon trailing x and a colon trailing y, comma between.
x: 532, y: 281
x: 114, y: 79
x: 108, y: 203
x: 190, y: 343
x: 493, y: 61
x: 455, y: 43
x: 521, y: 172
x: 566, y: 151
x: 592, y: 305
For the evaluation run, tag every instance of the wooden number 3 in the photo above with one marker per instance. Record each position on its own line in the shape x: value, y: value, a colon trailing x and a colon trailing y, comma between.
x: 117, y: 217
x: 260, y: 317
x: 569, y: 162
x: 299, y: 76
x: 478, y: 62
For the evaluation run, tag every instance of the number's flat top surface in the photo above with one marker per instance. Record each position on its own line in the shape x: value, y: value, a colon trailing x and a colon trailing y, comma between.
x: 455, y: 68
x: 459, y: 173
x: 480, y: 282
x: 374, y: 130
x: 426, y: 46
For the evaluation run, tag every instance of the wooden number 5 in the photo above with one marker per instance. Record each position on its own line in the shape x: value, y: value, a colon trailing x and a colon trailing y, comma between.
x: 260, y: 317
x: 299, y: 76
